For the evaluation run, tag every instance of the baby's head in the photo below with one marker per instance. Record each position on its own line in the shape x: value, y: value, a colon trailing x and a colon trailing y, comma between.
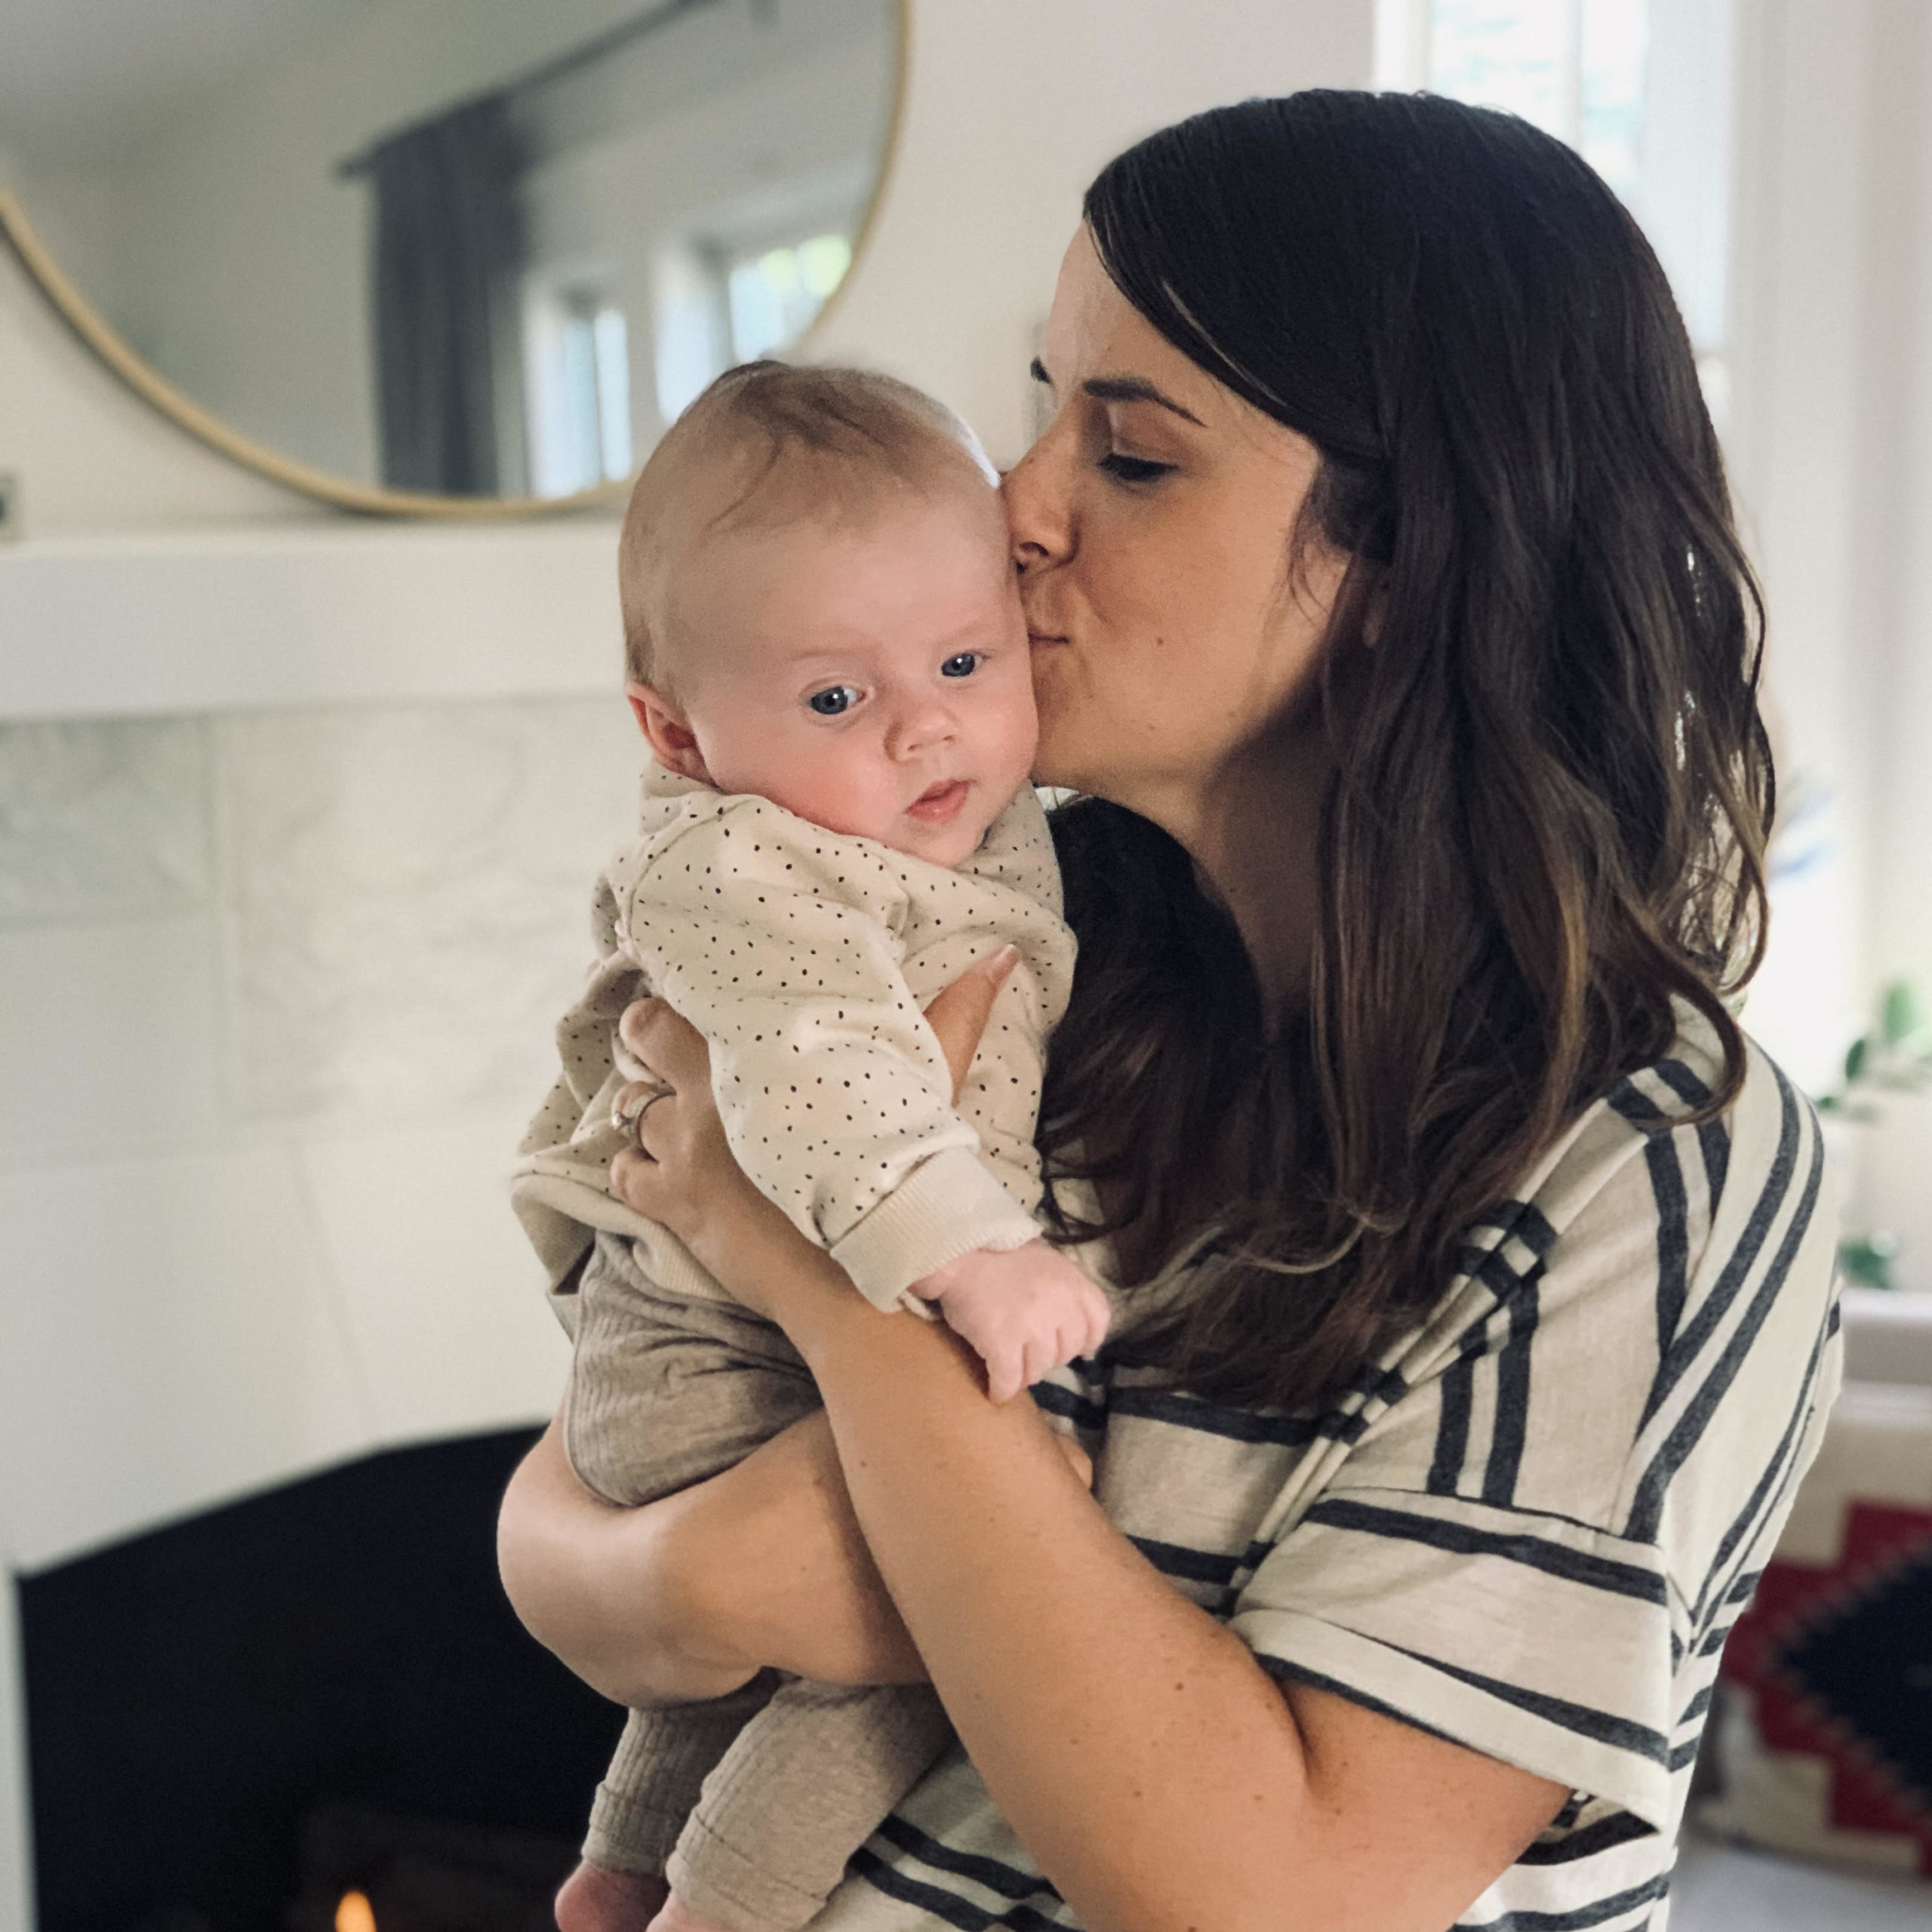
x: 819, y: 607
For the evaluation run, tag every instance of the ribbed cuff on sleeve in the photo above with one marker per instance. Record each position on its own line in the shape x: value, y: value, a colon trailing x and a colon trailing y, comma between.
x: 946, y: 1207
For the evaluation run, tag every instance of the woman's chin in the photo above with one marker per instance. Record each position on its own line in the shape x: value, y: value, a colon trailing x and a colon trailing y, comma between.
x: 1059, y: 766
x: 1052, y: 764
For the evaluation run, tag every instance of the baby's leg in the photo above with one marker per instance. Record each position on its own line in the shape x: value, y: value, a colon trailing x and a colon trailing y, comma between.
x: 664, y: 1393
x: 806, y: 1783
x: 658, y: 1772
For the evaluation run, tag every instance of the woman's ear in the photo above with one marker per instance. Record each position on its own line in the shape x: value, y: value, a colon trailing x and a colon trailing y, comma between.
x: 673, y: 741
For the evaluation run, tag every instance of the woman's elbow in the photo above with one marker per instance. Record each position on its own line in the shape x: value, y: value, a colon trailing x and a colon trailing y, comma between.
x: 604, y: 1591
x: 529, y: 1550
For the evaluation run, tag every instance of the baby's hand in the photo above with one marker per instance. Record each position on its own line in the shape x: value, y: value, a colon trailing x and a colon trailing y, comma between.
x: 1026, y: 1310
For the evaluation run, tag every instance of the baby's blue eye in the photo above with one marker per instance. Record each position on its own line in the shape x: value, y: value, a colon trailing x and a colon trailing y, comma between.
x: 963, y: 666
x: 833, y: 703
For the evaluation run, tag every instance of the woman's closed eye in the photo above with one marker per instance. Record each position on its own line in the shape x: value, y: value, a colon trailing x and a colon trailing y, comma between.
x: 1124, y: 468
x: 835, y: 700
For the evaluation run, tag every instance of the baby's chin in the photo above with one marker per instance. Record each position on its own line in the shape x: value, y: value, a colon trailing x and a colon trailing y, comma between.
x: 953, y: 846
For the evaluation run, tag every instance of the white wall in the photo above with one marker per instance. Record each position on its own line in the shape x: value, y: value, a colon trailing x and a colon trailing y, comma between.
x: 1831, y: 447
x: 1899, y: 407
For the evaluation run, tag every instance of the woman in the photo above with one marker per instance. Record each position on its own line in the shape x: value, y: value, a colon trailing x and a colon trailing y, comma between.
x: 1476, y: 1272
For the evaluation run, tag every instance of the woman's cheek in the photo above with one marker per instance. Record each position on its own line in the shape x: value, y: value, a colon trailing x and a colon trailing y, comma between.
x: 1081, y: 741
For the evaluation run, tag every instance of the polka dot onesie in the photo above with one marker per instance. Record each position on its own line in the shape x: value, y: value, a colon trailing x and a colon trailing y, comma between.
x: 805, y: 957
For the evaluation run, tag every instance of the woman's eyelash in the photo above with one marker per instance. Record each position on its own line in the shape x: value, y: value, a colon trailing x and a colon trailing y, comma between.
x: 1132, y: 469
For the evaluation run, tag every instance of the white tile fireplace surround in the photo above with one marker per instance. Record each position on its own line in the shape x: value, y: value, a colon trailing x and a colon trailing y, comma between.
x: 296, y: 833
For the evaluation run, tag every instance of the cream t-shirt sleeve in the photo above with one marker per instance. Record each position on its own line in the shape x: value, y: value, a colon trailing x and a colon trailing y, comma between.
x: 783, y: 943
x: 1532, y: 1549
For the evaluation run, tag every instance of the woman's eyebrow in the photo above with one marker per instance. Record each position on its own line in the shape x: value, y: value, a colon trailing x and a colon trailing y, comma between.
x: 1122, y: 389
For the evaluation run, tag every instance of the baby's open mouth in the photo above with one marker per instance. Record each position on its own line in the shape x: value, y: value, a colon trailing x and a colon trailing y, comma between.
x: 938, y: 803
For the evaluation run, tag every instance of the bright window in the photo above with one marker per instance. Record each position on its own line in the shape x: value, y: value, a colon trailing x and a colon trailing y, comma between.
x: 717, y: 306
x: 1641, y: 89
x: 774, y: 294
x: 577, y: 389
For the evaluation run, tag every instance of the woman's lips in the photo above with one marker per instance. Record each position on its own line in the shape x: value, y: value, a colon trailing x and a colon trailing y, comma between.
x: 1044, y: 637
x: 939, y: 804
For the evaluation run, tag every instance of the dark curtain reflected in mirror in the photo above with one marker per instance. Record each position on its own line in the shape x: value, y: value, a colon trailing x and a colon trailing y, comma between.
x: 449, y: 242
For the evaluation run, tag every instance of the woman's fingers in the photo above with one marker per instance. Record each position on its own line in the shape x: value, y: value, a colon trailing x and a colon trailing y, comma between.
x: 628, y: 1103
x: 959, y: 1014
x: 635, y: 1181
x: 673, y: 1049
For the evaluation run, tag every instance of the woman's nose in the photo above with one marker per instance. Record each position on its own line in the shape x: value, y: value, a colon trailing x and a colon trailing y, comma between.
x: 1035, y: 492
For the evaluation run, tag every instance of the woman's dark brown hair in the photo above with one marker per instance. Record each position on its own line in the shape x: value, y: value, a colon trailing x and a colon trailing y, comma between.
x: 1552, y: 788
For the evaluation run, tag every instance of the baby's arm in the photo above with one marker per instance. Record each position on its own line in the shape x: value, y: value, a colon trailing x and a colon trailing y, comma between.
x: 1025, y: 1310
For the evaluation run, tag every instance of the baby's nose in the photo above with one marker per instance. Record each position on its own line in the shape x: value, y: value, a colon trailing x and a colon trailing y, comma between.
x: 918, y: 727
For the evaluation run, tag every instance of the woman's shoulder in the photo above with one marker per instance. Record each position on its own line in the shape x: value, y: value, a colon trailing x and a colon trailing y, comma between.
x: 1659, y: 1197
x: 1655, y: 1135
x: 1664, y: 1282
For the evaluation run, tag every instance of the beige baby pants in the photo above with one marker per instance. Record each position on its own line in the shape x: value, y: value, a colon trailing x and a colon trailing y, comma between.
x: 750, y: 1805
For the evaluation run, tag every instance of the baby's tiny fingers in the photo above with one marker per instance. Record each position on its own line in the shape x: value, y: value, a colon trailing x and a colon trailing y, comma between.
x: 1102, y: 1321
x: 1043, y: 1357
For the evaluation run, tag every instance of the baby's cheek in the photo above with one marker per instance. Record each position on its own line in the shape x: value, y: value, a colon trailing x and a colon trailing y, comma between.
x: 846, y: 787
x: 1011, y: 752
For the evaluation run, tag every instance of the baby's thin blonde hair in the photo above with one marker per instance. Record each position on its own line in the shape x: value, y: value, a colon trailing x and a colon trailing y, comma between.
x: 824, y: 444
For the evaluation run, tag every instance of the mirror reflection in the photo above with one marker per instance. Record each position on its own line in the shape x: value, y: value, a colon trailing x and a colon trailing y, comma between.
x: 469, y: 248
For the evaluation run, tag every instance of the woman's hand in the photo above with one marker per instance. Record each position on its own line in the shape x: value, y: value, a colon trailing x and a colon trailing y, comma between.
x: 682, y: 1173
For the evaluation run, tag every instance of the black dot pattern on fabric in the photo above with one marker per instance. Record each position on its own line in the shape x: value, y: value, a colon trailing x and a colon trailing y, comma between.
x: 806, y: 958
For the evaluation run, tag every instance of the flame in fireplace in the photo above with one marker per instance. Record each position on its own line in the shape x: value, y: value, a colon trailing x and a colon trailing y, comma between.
x: 355, y: 1914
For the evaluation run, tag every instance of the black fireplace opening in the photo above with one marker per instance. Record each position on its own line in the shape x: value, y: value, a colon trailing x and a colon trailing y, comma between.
x: 233, y: 1721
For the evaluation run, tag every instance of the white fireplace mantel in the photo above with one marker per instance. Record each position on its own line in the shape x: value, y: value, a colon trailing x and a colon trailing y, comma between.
x: 307, y: 613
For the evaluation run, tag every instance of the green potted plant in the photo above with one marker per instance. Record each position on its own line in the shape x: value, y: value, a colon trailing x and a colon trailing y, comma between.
x: 1893, y: 1057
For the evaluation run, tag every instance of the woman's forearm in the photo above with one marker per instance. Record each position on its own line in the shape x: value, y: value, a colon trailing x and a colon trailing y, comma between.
x: 1161, y: 1779
x: 684, y: 1599
x: 1133, y: 1743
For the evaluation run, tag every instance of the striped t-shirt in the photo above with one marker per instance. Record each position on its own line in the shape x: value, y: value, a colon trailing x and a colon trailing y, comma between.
x: 1529, y: 1529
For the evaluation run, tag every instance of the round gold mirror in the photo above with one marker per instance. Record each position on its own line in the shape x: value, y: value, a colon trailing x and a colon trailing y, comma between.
x: 451, y: 257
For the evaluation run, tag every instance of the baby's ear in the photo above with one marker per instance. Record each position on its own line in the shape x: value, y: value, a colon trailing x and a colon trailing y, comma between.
x: 663, y: 722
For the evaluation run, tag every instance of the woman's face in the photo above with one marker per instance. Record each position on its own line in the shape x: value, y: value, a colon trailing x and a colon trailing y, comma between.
x: 1153, y: 525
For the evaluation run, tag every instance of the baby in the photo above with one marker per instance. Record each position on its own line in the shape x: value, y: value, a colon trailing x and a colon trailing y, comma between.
x: 827, y: 657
